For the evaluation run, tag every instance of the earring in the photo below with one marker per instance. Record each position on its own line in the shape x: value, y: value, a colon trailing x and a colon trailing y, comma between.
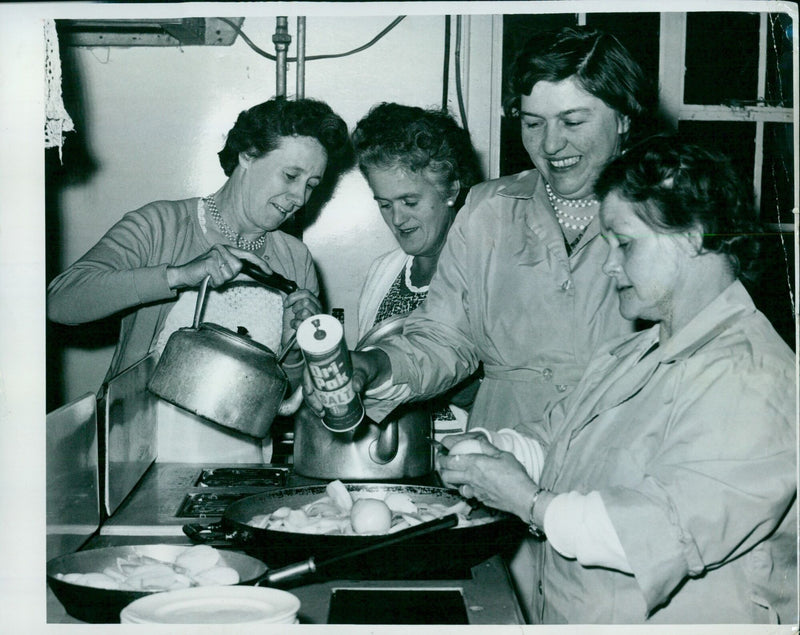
x: 450, y: 202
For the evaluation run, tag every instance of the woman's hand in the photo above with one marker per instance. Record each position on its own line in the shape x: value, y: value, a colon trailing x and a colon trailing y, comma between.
x: 494, y: 477
x: 451, y: 440
x: 297, y: 307
x: 369, y: 367
x: 221, y: 262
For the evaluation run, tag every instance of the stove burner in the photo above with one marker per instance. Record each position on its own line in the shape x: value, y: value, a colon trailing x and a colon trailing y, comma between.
x: 209, y: 504
x: 243, y: 477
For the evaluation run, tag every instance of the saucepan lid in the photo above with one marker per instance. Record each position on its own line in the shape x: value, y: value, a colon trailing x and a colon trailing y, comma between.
x: 390, y: 326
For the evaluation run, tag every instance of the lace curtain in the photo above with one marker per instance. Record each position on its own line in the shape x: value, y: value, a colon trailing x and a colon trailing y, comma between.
x: 57, y: 120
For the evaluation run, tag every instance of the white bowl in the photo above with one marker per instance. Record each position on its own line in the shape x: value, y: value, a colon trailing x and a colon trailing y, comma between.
x: 214, y: 605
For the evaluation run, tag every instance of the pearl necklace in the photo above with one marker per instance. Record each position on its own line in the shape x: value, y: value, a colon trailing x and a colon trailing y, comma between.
x: 565, y: 219
x: 242, y: 243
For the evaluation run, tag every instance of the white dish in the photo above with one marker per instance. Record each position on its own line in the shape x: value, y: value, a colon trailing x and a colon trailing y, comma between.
x: 214, y: 605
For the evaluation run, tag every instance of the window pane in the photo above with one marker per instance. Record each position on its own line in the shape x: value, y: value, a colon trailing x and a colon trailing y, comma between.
x: 734, y: 138
x: 638, y: 32
x: 771, y: 293
x: 777, y: 181
x: 737, y: 140
x: 779, y: 60
x: 721, y: 57
x: 519, y: 28
x: 777, y: 198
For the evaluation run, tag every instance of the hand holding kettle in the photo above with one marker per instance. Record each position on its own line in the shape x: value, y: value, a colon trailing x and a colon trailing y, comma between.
x: 221, y: 262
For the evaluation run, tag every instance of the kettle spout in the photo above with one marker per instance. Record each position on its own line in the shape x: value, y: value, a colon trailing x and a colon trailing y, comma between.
x: 291, y: 404
x: 384, y: 448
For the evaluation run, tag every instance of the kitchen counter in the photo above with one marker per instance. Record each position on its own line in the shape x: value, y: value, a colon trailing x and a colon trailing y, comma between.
x: 156, y: 511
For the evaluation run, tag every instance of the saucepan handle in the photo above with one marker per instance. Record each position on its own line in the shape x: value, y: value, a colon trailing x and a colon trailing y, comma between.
x: 212, y: 535
x: 300, y: 569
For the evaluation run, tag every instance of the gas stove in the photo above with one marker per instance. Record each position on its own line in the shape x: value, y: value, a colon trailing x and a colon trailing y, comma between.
x: 171, y: 495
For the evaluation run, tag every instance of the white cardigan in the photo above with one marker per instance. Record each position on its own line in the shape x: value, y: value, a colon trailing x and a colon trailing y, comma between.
x: 382, y: 273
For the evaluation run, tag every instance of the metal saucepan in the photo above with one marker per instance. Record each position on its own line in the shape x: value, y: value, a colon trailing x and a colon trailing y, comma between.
x: 449, y: 553
x: 95, y: 605
x: 396, y: 448
x: 223, y: 376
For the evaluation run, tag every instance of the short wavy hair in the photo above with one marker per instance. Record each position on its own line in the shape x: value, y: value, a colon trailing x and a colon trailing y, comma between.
x: 678, y: 186
x: 417, y: 139
x: 600, y: 63
x: 259, y: 130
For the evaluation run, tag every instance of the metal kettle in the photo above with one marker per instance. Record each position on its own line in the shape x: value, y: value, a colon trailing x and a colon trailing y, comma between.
x: 397, y: 447
x: 225, y: 377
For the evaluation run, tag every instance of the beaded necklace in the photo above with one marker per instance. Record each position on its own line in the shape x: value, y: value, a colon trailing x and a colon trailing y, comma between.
x: 242, y: 243
x: 565, y: 219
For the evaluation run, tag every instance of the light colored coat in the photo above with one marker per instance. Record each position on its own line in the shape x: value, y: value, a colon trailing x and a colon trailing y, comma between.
x: 693, y: 449
x: 505, y: 292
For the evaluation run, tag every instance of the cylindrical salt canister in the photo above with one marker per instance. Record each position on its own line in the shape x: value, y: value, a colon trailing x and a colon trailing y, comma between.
x: 321, y: 338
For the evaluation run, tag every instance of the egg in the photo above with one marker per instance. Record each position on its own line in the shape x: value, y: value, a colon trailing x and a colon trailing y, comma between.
x: 466, y: 446
x: 370, y: 516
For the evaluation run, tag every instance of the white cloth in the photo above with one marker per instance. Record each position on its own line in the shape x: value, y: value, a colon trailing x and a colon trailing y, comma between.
x: 578, y: 526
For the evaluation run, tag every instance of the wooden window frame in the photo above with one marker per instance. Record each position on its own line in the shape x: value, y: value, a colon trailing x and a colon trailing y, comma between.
x: 671, y: 70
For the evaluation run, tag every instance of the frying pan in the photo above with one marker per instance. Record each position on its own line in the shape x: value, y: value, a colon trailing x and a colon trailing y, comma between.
x: 95, y: 605
x: 441, y: 554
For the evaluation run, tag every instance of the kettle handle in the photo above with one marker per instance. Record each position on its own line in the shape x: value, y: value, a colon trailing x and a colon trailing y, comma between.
x: 272, y: 281
x: 201, y: 300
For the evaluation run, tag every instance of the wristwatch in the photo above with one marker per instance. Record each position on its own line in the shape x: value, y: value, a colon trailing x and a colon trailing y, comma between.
x: 535, y: 530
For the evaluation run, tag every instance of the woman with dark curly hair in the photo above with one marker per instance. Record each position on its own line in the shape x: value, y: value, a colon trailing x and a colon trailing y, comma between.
x: 667, y: 490
x: 148, y: 265
x: 420, y: 165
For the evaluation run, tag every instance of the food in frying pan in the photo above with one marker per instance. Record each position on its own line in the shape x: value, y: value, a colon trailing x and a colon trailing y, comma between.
x: 343, y: 512
x: 194, y: 566
x: 370, y: 516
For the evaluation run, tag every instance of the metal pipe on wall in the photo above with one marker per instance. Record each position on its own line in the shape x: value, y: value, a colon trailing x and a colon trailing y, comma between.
x: 301, y: 58
x: 281, y: 39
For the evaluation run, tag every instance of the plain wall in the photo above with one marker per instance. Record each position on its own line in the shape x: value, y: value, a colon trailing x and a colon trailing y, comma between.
x: 153, y: 118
